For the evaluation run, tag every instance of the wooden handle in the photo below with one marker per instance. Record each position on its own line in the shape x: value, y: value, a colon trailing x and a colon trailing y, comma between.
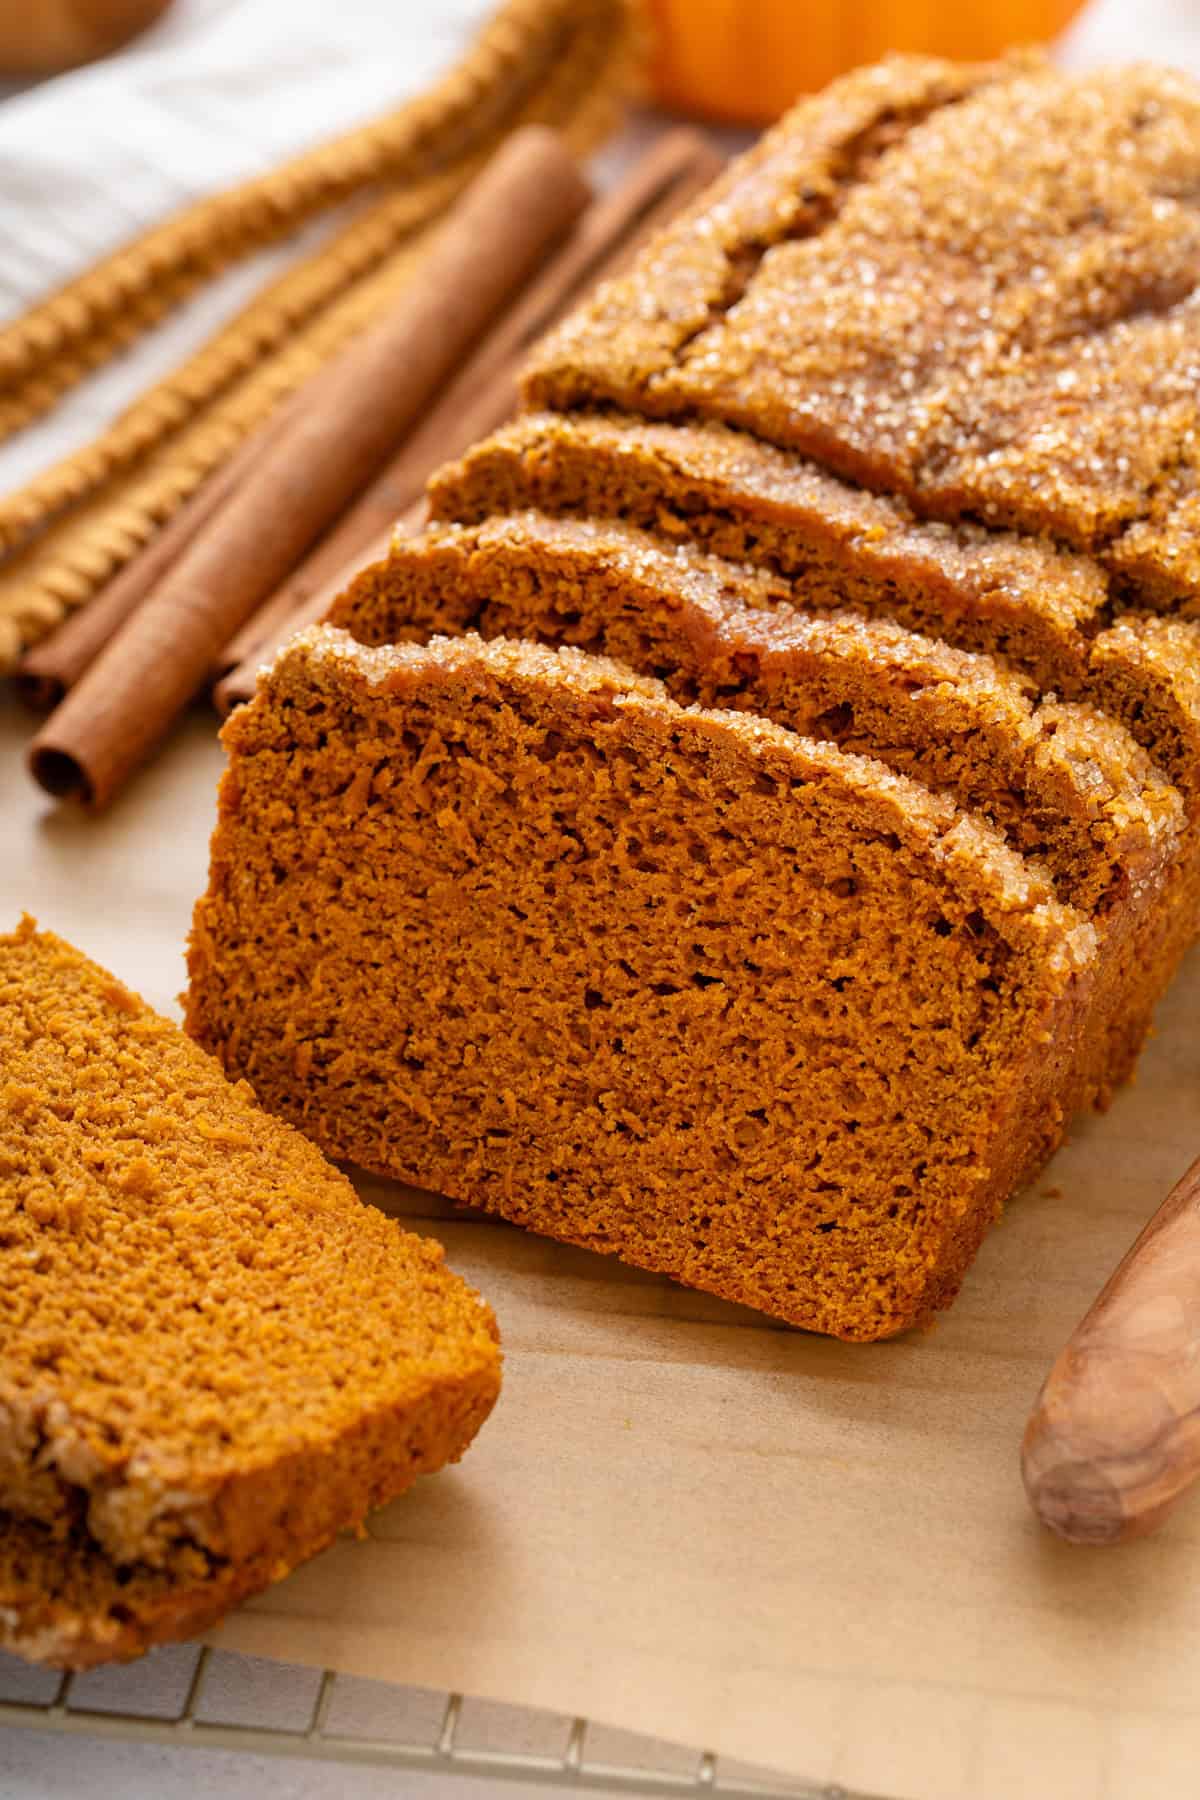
x: 1114, y: 1439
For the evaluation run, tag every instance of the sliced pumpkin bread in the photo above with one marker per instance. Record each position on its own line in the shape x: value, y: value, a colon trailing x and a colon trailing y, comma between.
x: 682, y: 985
x: 65, y: 1603
x: 213, y: 1355
x: 1063, y: 783
x: 927, y: 355
x: 980, y: 306
x: 1051, y: 614
x: 838, y: 546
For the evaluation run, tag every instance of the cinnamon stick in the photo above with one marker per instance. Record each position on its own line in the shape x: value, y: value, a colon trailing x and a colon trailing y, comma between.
x: 354, y: 412
x: 480, y: 398
x: 268, y: 321
x: 45, y: 673
x: 87, y: 546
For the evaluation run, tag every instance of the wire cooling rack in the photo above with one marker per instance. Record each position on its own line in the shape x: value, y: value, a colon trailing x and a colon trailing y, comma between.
x: 209, y: 1699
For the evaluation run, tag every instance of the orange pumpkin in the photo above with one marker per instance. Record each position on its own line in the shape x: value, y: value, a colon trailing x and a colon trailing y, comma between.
x: 745, y: 61
x: 40, y: 37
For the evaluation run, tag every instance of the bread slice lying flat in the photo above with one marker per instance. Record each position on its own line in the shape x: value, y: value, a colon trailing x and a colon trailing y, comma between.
x: 682, y: 985
x: 213, y: 1355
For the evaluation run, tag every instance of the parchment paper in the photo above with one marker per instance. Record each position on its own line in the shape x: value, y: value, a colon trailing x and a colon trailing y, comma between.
x: 686, y: 1521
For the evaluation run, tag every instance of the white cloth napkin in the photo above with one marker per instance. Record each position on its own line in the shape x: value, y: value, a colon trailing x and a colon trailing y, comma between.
x: 218, y: 91
x: 1107, y: 31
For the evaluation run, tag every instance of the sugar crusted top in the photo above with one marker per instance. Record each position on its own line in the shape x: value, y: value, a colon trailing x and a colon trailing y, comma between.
x: 995, y: 319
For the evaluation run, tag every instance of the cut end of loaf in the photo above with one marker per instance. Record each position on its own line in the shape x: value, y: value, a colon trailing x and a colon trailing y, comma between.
x: 645, y: 972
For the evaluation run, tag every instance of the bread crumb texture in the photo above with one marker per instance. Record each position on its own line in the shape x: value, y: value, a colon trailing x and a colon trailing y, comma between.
x: 213, y: 1355
x: 1065, y: 784
x: 676, y: 984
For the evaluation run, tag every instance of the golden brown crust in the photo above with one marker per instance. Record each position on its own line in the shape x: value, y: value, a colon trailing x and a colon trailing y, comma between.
x: 1021, y: 599
x: 1145, y: 671
x: 791, y: 186
x: 836, y: 545
x: 1064, y: 783
x: 65, y: 1604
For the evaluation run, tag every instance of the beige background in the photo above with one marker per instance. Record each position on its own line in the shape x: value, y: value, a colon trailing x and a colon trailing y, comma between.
x: 684, y: 1520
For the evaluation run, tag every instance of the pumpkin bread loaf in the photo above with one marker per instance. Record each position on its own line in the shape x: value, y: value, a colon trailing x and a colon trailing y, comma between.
x: 213, y: 1355
x: 886, y: 448
x: 740, y: 1006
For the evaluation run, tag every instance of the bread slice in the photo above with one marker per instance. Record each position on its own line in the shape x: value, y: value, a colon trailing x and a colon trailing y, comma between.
x: 1064, y: 783
x: 681, y: 985
x: 837, y: 546
x: 213, y: 1355
x: 64, y: 1603
x: 823, y: 544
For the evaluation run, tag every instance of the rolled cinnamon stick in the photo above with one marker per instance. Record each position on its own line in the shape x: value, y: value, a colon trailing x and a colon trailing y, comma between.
x: 1114, y: 1439
x: 445, y: 432
x: 354, y: 412
x: 45, y: 673
x: 482, y: 395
